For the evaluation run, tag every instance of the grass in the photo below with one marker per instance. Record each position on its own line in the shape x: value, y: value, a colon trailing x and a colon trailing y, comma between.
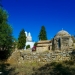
x: 40, y: 68
x: 27, y: 68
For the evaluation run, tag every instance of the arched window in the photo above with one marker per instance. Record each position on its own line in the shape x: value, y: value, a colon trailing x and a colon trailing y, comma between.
x: 59, y: 43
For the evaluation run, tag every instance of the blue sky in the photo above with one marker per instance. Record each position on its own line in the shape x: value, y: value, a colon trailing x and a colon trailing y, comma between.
x: 32, y: 14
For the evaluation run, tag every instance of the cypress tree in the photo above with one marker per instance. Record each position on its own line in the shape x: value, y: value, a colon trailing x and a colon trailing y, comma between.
x: 22, y: 39
x: 43, y: 34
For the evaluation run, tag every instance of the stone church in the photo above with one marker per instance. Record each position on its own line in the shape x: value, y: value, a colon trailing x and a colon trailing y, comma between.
x: 61, y: 41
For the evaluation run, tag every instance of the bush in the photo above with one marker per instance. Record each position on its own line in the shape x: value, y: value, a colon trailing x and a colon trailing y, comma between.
x: 35, y: 44
x: 28, y: 46
x: 34, y: 48
x: 56, y: 68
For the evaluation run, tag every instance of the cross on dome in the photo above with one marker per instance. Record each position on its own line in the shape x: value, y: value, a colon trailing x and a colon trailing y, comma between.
x: 62, y: 28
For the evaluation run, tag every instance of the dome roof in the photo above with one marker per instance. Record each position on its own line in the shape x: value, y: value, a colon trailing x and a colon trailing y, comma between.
x: 62, y: 33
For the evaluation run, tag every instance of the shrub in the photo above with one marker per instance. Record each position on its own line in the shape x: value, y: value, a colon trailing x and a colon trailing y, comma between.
x: 35, y: 44
x: 56, y: 68
x: 28, y: 46
x: 34, y: 48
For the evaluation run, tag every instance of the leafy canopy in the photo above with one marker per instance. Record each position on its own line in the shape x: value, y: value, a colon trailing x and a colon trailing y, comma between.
x: 5, y: 35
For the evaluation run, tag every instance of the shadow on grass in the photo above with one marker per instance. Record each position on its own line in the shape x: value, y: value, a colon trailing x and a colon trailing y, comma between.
x: 56, y: 69
x: 6, y: 69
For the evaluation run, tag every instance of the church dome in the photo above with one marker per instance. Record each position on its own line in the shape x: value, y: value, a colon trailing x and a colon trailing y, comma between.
x: 62, y: 33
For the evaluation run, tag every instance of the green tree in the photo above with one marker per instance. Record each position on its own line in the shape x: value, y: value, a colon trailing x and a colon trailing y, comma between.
x: 28, y: 46
x: 35, y: 44
x: 6, y: 38
x: 22, y: 39
x: 43, y: 34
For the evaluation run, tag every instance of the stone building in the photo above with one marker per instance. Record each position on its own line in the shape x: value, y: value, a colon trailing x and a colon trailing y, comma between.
x: 62, y: 41
x: 44, y: 46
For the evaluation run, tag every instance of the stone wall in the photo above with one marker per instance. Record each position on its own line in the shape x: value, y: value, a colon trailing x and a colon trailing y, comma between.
x: 41, y: 49
x: 47, y: 56
x: 44, y: 45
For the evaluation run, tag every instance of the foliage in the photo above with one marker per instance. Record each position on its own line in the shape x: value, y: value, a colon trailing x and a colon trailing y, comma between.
x: 28, y: 46
x: 22, y: 39
x: 35, y: 44
x: 7, y: 70
x: 42, y: 34
x: 56, y: 68
x: 5, y: 35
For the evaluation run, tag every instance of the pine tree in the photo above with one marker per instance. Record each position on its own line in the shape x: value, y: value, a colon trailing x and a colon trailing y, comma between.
x: 6, y: 38
x: 42, y: 34
x: 22, y: 39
